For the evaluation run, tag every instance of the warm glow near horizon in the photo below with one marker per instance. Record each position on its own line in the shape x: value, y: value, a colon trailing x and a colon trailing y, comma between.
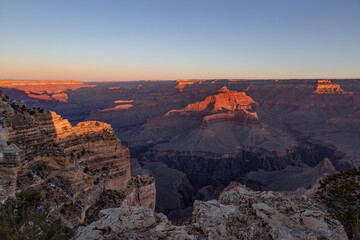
x: 168, y: 40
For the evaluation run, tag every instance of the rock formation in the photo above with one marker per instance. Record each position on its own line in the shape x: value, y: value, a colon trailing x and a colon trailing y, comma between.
x: 44, y: 90
x: 327, y: 87
x: 77, y: 169
x: 238, y: 214
x: 225, y: 100
x: 181, y: 84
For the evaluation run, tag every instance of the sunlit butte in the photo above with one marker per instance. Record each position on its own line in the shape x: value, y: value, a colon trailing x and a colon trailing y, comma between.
x: 160, y: 40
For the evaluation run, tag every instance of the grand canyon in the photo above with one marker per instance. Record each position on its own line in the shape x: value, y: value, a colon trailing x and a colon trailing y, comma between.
x: 194, y: 137
x: 180, y: 120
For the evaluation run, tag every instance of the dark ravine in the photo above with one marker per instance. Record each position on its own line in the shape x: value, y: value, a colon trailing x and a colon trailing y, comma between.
x: 218, y: 170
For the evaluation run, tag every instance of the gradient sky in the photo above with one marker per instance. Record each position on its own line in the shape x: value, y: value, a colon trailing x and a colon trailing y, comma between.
x: 107, y: 40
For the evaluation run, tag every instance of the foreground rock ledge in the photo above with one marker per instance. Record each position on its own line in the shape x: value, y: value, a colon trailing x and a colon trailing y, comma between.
x: 238, y: 214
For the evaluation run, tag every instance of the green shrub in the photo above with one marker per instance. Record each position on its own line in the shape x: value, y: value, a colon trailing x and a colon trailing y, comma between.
x: 340, y: 192
x: 25, y: 217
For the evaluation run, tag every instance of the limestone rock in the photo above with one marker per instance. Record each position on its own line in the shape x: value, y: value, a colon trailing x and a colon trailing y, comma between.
x: 132, y: 223
x: 141, y: 192
x: 238, y: 214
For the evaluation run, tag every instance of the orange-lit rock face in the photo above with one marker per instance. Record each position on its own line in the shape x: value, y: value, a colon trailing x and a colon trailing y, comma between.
x: 40, y: 96
x: 327, y: 87
x: 225, y: 100
x: 181, y: 84
x: 116, y: 108
x: 62, y: 97
x: 44, y: 90
x: 123, y: 101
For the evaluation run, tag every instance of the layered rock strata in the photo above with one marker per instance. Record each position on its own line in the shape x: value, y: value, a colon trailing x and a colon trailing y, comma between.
x: 44, y: 90
x: 327, y: 87
x: 75, y: 168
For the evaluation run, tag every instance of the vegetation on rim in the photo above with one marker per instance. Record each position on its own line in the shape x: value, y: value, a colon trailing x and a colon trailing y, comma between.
x: 340, y: 192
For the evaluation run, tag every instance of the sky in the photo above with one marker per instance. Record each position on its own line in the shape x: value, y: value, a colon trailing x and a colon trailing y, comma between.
x: 118, y: 40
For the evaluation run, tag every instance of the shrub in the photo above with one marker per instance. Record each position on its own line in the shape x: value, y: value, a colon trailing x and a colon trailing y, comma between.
x: 25, y: 217
x: 340, y: 192
x: 86, y: 169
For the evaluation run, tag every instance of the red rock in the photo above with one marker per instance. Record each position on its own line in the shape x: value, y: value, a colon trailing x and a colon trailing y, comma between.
x: 181, y: 84
x: 43, y: 89
x: 224, y: 100
x: 327, y: 87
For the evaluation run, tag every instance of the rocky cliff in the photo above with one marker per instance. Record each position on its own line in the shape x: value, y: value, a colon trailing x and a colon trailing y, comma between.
x: 75, y: 168
x: 238, y: 214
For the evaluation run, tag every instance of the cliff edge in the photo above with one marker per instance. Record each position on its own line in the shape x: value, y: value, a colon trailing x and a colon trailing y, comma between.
x: 239, y: 213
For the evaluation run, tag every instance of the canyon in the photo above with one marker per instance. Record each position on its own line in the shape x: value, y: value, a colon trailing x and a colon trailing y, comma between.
x: 207, y: 133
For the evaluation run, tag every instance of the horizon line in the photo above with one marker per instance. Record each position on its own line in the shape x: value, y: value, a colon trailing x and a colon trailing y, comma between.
x: 187, y: 79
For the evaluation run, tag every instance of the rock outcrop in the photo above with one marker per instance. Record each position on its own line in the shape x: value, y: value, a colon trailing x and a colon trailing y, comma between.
x: 327, y: 87
x: 181, y: 84
x: 77, y: 169
x: 225, y: 100
x: 141, y: 191
x: 238, y: 214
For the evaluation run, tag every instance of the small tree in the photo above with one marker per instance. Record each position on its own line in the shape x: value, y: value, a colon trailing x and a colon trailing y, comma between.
x: 340, y: 192
x: 26, y: 218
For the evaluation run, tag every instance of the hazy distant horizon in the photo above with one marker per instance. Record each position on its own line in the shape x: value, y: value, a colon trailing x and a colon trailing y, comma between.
x: 191, y: 79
